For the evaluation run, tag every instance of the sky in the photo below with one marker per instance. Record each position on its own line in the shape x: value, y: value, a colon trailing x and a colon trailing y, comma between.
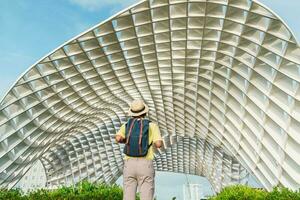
x: 30, y: 29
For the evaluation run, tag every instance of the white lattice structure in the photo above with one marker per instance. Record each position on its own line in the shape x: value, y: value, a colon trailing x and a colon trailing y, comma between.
x: 221, y: 79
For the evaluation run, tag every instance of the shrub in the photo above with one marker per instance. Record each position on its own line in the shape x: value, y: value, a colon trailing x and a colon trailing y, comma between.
x: 240, y: 192
x: 13, y: 194
x: 282, y: 194
x: 82, y: 191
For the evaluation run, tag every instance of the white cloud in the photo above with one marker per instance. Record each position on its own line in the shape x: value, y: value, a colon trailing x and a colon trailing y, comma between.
x: 94, y: 5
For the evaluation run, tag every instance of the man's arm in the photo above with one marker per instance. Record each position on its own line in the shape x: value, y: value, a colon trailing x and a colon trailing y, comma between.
x: 120, y: 136
x: 157, y: 139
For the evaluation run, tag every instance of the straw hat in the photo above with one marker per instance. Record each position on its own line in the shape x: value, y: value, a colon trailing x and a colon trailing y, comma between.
x: 137, y: 108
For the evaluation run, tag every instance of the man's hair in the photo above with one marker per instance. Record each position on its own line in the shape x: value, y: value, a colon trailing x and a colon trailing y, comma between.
x: 140, y: 116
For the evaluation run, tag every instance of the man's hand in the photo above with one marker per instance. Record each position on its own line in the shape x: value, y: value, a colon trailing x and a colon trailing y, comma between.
x: 158, y: 144
x: 120, y: 139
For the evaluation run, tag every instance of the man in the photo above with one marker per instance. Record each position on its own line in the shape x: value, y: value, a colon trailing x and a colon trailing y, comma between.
x: 139, y: 135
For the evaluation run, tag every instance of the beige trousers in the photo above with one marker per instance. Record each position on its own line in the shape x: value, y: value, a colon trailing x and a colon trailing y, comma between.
x: 138, y: 172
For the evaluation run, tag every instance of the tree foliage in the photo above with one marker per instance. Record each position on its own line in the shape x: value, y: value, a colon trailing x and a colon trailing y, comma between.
x: 82, y: 191
x: 241, y: 192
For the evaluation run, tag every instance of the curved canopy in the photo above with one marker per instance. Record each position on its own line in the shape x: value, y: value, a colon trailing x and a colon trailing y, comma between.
x: 221, y: 79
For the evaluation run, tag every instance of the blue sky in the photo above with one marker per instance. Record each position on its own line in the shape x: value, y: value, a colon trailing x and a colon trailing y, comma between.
x: 29, y: 29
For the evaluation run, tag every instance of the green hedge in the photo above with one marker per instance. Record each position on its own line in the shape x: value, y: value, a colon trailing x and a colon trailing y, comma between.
x: 88, y: 191
x: 240, y: 192
x: 82, y: 191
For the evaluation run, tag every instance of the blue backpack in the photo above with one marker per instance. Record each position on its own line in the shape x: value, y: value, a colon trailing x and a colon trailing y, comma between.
x: 137, y: 137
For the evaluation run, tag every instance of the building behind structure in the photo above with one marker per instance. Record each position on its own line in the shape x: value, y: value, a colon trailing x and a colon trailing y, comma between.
x: 192, y: 192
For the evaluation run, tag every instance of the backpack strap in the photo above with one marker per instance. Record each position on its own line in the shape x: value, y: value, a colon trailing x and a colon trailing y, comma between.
x: 129, y: 134
x: 150, y: 145
x: 130, y: 130
x: 140, y: 137
x: 149, y: 121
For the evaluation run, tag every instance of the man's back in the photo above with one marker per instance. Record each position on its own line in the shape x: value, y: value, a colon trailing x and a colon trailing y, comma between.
x: 154, y: 136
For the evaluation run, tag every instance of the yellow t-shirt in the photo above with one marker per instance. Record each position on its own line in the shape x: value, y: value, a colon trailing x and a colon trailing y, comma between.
x: 154, y: 135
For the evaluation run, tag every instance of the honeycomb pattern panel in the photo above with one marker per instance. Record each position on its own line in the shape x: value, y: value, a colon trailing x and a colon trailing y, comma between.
x: 198, y: 157
x: 93, y: 155
x: 99, y: 164
x: 225, y: 71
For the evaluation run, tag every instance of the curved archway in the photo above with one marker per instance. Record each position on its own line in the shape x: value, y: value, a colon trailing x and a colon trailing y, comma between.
x: 221, y: 73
